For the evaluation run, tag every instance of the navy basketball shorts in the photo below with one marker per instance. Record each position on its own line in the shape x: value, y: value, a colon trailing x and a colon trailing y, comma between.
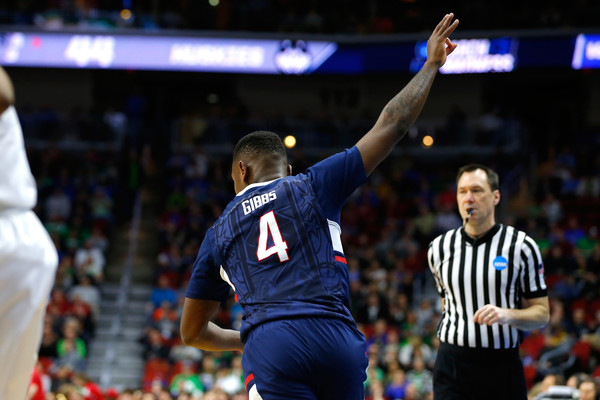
x: 307, y: 358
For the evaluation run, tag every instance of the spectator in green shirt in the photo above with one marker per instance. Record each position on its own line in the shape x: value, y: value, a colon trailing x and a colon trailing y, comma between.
x: 187, y: 381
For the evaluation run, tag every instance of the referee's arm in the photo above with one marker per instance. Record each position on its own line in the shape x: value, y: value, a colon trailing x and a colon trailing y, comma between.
x: 534, y: 314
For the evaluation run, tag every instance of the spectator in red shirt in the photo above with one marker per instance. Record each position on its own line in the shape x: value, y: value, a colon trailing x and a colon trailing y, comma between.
x: 89, y: 389
x: 36, y: 387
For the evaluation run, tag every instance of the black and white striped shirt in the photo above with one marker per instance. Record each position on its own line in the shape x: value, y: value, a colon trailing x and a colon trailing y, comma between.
x: 499, y: 268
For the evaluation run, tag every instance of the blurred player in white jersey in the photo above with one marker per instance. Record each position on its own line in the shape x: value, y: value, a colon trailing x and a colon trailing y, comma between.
x: 28, y: 258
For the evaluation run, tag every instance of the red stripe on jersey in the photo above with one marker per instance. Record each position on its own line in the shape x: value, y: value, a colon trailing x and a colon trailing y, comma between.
x: 340, y: 259
x: 248, y: 379
x: 236, y: 297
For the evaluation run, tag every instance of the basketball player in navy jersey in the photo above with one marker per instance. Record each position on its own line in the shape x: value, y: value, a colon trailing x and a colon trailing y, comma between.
x: 277, y: 245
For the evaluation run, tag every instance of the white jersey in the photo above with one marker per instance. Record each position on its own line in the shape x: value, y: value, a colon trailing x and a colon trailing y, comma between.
x: 17, y: 186
x: 28, y: 263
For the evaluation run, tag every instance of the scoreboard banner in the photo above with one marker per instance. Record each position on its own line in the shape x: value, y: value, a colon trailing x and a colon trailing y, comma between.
x: 345, y: 55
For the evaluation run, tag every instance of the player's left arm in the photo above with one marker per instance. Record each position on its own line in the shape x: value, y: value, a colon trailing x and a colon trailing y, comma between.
x: 198, y: 331
x: 7, y: 92
x: 206, y: 291
x: 402, y: 111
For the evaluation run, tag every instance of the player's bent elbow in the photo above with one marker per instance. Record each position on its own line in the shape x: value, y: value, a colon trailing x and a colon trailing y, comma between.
x: 184, y: 339
x: 188, y: 337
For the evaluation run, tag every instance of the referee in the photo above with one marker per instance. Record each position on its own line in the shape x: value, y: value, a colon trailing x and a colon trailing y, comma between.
x: 490, y: 277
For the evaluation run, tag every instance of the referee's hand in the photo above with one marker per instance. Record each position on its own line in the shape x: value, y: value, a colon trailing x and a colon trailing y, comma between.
x: 489, y: 314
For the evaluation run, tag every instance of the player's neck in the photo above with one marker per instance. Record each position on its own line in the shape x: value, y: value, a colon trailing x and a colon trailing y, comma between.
x: 267, y: 178
x: 266, y: 173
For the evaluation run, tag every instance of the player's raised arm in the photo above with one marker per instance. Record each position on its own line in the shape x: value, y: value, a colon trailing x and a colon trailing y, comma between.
x: 401, y: 111
x: 7, y: 93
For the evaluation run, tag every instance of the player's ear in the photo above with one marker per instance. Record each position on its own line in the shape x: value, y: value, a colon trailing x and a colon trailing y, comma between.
x: 240, y: 168
x: 289, y: 170
x: 496, y: 194
x: 244, y: 172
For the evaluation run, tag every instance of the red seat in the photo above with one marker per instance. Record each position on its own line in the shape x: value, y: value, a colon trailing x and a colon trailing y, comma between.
x: 530, y: 374
x: 582, y: 350
x: 155, y: 369
x: 593, y: 306
x: 551, y: 280
x: 156, y: 366
x: 579, y: 303
x: 533, y: 344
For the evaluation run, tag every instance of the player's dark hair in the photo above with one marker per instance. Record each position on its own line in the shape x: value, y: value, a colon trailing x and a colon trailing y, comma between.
x: 492, y: 177
x: 260, y: 143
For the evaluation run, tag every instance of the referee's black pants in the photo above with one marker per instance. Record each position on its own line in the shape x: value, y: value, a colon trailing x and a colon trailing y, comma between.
x: 462, y: 373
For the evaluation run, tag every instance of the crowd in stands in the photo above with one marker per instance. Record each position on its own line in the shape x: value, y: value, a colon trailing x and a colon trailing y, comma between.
x: 76, y: 194
x: 350, y: 17
x: 198, y: 122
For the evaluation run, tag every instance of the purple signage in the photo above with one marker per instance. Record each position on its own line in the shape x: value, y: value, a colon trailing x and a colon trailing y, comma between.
x: 65, y: 50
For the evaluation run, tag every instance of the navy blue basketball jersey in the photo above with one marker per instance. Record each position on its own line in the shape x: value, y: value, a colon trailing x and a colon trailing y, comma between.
x: 277, y: 244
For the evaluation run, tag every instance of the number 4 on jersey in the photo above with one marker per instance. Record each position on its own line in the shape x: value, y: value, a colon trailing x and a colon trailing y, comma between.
x: 268, y: 226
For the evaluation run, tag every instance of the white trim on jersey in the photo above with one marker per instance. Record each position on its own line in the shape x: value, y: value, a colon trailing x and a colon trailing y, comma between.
x: 253, y: 393
x: 253, y: 185
x: 225, y: 277
x: 336, y: 236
